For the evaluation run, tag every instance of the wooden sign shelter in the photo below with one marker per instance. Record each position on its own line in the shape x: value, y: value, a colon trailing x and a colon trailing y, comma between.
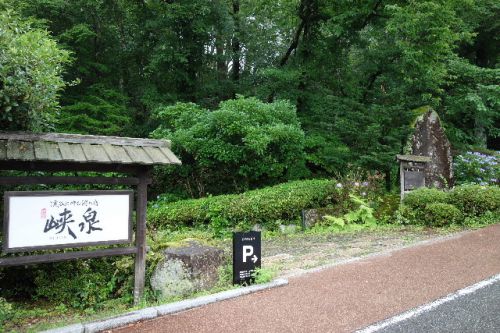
x: 412, y: 172
x: 131, y: 157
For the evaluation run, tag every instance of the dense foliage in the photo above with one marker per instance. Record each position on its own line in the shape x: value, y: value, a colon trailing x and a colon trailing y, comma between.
x: 272, y: 206
x: 438, y: 208
x: 242, y: 144
x: 253, y: 93
x: 31, y: 66
x: 353, y: 73
x: 84, y: 284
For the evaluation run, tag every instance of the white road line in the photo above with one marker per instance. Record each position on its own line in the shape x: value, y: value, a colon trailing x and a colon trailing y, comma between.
x: 427, y: 307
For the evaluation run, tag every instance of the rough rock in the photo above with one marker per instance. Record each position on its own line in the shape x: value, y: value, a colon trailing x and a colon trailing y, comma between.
x: 312, y: 216
x: 430, y: 140
x: 187, y: 269
x: 288, y: 229
x: 257, y: 227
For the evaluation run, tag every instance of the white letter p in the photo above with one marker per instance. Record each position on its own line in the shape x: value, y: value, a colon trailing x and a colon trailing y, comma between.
x: 247, y: 252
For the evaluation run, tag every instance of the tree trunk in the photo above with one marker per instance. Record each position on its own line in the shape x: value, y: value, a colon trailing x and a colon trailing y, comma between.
x: 480, y: 134
x: 220, y: 58
x: 388, y: 180
x: 235, y: 73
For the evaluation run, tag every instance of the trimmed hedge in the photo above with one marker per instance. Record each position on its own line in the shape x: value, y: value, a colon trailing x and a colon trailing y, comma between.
x: 441, y: 214
x: 438, y: 208
x: 422, y: 197
x: 475, y: 200
x: 263, y: 206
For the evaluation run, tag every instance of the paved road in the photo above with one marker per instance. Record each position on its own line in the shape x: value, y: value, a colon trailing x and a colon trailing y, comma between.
x: 348, y: 297
x: 477, y: 312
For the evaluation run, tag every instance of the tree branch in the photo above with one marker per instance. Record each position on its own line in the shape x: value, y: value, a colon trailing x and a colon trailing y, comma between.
x: 372, y: 14
x: 294, y: 44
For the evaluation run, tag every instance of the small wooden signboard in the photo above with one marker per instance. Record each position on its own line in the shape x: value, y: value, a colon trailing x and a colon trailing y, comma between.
x: 412, y: 172
x: 414, y: 180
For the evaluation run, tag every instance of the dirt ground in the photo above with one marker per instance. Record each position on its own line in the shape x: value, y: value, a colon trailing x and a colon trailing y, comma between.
x: 293, y: 254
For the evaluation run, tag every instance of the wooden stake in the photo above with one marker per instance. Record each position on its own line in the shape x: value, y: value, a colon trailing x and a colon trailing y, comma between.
x: 140, y: 257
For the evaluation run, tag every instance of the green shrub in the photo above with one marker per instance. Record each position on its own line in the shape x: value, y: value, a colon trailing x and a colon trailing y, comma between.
x: 280, y: 202
x: 423, y: 205
x: 386, y: 207
x: 184, y: 212
x: 442, y: 214
x: 6, y: 311
x: 406, y: 215
x: 31, y: 68
x: 421, y: 197
x: 475, y: 200
x: 242, y: 144
x: 362, y: 214
x: 83, y: 284
x: 417, y: 200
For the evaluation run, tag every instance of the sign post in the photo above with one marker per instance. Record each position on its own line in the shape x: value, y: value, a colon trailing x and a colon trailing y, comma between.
x: 246, y: 256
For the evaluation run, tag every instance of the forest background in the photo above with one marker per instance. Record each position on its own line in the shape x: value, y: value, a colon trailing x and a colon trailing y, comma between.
x: 253, y: 92
x: 273, y: 107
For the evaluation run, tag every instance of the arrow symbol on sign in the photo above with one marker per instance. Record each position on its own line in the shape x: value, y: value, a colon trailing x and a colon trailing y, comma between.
x: 254, y: 258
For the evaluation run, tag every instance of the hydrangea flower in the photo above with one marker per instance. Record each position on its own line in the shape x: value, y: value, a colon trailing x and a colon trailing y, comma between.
x: 476, y: 167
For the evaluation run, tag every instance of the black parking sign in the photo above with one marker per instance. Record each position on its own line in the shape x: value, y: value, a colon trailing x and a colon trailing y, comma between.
x: 246, y: 256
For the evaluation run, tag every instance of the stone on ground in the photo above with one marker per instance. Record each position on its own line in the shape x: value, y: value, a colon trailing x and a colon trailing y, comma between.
x: 313, y: 216
x: 187, y: 269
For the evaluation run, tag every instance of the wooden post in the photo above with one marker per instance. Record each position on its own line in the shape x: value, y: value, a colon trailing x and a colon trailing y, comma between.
x: 140, y: 241
x: 402, y: 165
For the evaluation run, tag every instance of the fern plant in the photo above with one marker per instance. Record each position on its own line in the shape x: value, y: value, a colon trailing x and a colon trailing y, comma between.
x: 362, y: 215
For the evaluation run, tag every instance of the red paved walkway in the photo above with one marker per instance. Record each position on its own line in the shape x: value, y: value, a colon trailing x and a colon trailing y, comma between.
x: 351, y: 296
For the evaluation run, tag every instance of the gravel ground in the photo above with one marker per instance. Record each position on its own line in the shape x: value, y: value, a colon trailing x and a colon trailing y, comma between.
x: 292, y: 254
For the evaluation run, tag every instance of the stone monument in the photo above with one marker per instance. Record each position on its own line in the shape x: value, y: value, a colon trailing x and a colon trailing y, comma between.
x: 430, y: 140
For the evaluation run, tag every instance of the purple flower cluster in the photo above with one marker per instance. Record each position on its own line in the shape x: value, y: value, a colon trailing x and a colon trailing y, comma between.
x: 476, y: 167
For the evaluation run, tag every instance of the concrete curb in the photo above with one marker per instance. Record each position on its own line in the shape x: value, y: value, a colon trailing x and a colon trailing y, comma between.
x: 161, y: 310
x: 128, y: 318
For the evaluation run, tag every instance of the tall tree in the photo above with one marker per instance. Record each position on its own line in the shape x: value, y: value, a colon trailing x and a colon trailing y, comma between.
x: 31, y: 67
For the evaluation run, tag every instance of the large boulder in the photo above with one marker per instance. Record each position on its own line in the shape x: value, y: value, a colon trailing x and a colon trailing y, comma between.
x: 429, y: 139
x: 187, y: 269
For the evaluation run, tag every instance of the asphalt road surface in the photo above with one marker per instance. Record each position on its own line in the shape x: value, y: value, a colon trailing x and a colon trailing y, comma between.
x: 349, y: 297
x: 478, y: 311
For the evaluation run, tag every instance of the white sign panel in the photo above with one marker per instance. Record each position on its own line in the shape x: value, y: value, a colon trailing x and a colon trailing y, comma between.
x: 42, y: 220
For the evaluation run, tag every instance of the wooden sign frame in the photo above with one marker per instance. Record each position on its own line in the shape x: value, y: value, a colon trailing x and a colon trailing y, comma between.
x: 140, y: 180
x: 7, y: 223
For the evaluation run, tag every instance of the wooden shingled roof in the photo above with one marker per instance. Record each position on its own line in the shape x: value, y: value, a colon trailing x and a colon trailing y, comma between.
x: 413, y: 158
x: 54, y: 147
